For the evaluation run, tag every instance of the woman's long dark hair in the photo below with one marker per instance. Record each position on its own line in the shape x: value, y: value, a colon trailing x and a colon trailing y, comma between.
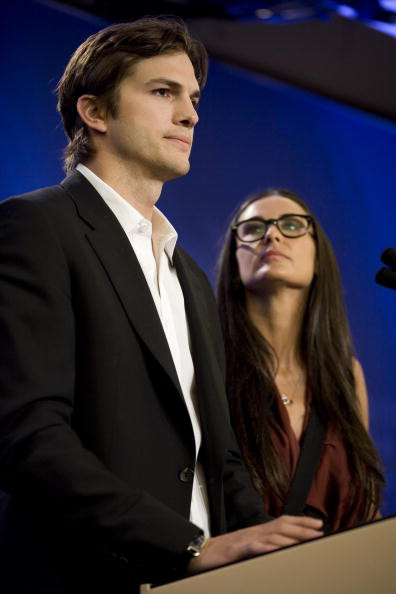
x: 327, y: 352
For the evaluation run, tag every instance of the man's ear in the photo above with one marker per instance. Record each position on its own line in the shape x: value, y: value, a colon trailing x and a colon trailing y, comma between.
x: 92, y: 113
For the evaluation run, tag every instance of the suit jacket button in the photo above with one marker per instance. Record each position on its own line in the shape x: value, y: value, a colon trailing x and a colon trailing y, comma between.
x: 186, y: 475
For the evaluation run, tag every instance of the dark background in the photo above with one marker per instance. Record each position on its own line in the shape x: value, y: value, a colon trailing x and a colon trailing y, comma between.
x: 306, y: 103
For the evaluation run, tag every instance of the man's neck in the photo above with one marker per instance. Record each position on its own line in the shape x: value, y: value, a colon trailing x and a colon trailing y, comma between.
x: 137, y: 189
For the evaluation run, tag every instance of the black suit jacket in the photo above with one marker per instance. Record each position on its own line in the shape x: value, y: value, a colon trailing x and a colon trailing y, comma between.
x: 94, y: 431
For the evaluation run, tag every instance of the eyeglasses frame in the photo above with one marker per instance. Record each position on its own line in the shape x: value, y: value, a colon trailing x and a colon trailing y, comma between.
x: 268, y: 222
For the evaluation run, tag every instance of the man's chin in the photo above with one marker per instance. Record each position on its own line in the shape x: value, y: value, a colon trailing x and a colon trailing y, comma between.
x: 177, y: 171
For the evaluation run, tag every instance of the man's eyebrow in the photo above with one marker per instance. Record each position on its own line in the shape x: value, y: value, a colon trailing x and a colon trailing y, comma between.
x: 173, y: 85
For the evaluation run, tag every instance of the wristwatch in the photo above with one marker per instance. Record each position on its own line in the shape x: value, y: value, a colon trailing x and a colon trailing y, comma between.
x: 195, y: 547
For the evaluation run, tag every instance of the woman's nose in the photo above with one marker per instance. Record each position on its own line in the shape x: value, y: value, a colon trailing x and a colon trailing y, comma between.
x: 272, y: 231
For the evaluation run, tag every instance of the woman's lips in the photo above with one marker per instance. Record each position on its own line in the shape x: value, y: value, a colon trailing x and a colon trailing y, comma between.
x: 270, y: 254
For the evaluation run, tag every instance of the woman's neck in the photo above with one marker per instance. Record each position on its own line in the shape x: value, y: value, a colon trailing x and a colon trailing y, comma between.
x: 279, y: 318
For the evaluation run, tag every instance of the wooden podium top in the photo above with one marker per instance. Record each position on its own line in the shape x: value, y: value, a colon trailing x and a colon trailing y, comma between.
x: 360, y: 560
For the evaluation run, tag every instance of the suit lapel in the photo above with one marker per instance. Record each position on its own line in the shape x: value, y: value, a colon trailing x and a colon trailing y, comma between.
x: 209, y: 378
x: 114, y: 250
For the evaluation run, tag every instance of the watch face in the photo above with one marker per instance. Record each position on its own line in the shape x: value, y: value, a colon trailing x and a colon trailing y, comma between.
x: 195, y: 547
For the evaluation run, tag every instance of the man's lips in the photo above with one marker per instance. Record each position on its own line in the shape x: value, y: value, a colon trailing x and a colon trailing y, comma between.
x: 182, y: 141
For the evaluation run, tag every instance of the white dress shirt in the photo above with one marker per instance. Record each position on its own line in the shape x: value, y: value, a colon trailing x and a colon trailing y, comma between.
x: 153, y: 243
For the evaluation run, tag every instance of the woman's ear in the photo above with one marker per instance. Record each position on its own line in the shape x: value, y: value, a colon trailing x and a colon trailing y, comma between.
x: 92, y: 113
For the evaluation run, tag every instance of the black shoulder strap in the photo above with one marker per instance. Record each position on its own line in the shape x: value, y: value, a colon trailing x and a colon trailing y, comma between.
x: 307, y: 464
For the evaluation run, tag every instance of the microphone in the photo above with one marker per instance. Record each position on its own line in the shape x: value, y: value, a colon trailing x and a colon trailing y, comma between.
x: 387, y: 276
x: 388, y: 257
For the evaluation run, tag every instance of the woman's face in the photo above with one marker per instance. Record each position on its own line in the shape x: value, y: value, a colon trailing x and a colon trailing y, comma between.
x: 276, y: 260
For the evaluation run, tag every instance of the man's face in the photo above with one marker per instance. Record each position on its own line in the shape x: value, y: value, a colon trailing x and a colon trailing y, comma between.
x: 152, y: 132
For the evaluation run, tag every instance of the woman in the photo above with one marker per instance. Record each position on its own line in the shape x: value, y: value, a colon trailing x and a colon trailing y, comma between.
x: 288, y: 351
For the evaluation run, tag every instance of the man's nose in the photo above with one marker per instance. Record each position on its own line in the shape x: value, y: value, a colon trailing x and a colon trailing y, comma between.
x: 187, y: 114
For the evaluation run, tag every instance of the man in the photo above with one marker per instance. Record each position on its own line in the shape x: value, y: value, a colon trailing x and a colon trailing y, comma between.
x: 115, y: 444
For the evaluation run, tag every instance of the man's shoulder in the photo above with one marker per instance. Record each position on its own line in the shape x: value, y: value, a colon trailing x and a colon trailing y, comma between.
x: 38, y: 194
x: 49, y: 194
x: 50, y: 205
x: 55, y: 201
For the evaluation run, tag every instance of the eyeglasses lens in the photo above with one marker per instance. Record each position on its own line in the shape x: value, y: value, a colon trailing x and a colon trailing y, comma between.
x: 293, y: 226
x: 252, y: 231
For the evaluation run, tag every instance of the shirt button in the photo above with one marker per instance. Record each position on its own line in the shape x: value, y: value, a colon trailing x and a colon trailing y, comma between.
x: 186, y: 475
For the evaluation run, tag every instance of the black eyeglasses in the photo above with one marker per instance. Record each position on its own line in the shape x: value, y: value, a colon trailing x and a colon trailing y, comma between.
x: 290, y: 225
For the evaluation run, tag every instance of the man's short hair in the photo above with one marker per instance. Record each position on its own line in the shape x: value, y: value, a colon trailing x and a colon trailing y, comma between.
x: 99, y: 65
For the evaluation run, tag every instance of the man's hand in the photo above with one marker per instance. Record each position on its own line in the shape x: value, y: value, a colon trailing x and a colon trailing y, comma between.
x: 255, y: 540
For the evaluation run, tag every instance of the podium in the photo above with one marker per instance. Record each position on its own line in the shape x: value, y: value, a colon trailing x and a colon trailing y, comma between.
x: 361, y: 560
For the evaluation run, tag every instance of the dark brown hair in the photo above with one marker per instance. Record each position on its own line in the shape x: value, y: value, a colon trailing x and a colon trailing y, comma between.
x: 326, y: 348
x: 98, y: 66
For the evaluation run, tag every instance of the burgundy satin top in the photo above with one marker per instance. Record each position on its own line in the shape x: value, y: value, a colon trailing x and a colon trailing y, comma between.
x: 330, y: 491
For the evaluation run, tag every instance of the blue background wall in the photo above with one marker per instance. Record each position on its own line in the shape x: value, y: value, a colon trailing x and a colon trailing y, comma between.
x: 253, y: 133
